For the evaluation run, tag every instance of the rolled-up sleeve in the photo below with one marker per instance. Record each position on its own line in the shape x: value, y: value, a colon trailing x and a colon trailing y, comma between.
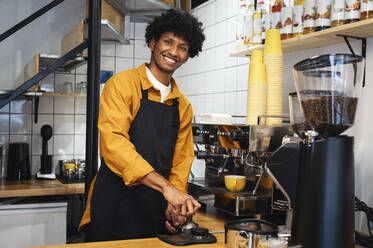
x: 115, y: 118
x: 184, y: 152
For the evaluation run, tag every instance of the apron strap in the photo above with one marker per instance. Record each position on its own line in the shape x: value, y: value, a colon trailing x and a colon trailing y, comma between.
x: 144, y: 94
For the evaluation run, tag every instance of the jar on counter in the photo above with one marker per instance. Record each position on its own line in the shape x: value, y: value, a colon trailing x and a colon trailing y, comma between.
x: 352, y: 11
x: 286, y: 20
x: 298, y: 10
x: 366, y: 10
x: 309, y: 16
x: 338, y: 13
x: 323, y: 13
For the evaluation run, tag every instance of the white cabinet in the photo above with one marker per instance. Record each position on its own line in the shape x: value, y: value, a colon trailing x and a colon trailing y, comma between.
x: 38, y: 224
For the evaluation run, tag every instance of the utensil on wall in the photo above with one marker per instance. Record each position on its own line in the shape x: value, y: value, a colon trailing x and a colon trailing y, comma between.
x: 46, y: 170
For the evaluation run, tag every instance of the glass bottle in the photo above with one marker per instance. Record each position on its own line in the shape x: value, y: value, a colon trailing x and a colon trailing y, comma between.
x: 338, y: 13
x: 240, y: 25
x: 324, y: 8
x: 366, y: 9
x: 352, y: 11
x: 309, y: 16
x: 286, y: 19
x: 298, y: 10
x: 257, y: 38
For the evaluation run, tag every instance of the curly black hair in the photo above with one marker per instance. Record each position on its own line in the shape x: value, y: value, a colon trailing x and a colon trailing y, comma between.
x: 181, y: 24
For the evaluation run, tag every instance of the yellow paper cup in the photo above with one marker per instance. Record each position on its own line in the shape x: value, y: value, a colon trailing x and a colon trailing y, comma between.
x: 235, y: 183
x: 273, y: 41
x: 257, y: 72
x: 256, y: 56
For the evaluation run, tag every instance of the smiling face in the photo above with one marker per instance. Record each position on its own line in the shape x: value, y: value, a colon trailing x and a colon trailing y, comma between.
x: 168, y: 53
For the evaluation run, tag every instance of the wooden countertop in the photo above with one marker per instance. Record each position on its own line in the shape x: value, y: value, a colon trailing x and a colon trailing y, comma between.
x: 35, y: 187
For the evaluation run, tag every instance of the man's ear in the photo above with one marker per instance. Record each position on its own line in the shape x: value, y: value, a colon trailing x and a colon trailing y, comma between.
x: 152, y: 44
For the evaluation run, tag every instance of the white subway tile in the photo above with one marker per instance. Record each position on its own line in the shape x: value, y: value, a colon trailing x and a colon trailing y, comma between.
x: 82, y: 69
x: 220, y: 33
x: 210, y: 59
x: 123, y: 64
x: 79, y: 146
x: 132, y: 30
x: 232, y: 8
x: 229, y: 102
x: 124, y: 50
x: 80, y: 105
x: 37, y: 145
x: 142, y: 50
x: 219, y: 103
x: 210, y: 37
x: 230, y: 79
x: 80, y: 124
x: 243, y: 60
x: 107, y: 48
x: 46, y: 105
x: 231, y: 29
x: 64, y: 105
x: 221, y: 10
x: 63, y: 124
x: 186, y: 88
x: 241, y: 104
x: 107, y: 63
x: 210, y: 83
x: 219, y: 80
x: 20, y: 139
x: 230, y: 61
x: 209, y: 13
x: 63, y: 144
x: 209, y: 103
x: 138, y: 62
x: 4, y: 124
x: 21, y: 106
x: 43, y: 119
x: 20, y: 123
x: 35, y: 164
x: 140, y: 29
x: 242, y: 77
x: 221, y: 59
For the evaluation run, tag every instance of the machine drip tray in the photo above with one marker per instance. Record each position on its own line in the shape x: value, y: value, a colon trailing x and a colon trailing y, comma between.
x: 243, y: 203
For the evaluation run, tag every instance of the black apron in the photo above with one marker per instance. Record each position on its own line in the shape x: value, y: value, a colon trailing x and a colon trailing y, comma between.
x: 122, y: 212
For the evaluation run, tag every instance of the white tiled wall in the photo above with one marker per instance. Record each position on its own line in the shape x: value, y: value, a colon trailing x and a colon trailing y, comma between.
x: 215, y: 82
x: 66, y: 115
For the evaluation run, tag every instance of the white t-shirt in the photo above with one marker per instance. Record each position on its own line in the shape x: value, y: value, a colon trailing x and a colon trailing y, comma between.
x: 165, y: 90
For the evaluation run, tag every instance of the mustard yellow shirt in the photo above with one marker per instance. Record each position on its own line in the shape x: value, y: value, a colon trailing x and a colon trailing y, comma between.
x: 119, y: 103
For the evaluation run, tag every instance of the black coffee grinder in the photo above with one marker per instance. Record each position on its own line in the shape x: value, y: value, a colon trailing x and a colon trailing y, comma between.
x: 46, y: 168
x: 327, y: 88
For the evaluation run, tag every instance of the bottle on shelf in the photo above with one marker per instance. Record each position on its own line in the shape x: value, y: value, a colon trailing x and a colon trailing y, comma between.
x: 323, y: 13
x: 257, y: 37
x: 286, y: 19
x: 276, y: 14
x: 366, y: 9
x: 309, y: 16
x: 241, y: 25
x: 265, y: 8
x: 298, y: 10
x: 249, y: 27
x: 352, y: 11
x: 338, y: 13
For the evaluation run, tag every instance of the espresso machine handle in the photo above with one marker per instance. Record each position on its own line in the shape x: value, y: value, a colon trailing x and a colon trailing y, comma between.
x: 286, y: 118
x: 207, y: 155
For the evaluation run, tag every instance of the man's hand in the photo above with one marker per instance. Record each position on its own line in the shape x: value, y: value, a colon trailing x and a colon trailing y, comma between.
x: 182, y: 203
x: 173, y: 219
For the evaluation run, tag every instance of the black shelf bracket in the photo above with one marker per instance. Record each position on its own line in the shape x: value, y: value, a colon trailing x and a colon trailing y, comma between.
x: 363, y: 48
x: 42, y: 74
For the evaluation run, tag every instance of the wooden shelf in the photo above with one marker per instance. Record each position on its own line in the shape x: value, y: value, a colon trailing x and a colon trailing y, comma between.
x: 363, y: 29
x: 61, y: 94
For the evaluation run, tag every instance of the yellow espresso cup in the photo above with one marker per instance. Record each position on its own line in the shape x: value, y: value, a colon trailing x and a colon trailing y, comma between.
x: 235, y: 183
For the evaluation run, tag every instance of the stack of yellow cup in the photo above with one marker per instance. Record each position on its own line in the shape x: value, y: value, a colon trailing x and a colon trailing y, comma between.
x: 273, y: 62
x: 256, y: 95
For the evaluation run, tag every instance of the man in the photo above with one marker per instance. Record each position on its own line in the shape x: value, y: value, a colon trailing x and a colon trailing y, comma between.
x: 146, y: 140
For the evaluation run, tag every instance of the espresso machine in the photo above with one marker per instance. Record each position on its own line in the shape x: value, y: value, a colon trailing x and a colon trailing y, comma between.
x: 321, y: 193
x: 236, y: 150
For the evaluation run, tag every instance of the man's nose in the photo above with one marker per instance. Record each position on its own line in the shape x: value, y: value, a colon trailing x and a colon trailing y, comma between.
x: 173, y: 50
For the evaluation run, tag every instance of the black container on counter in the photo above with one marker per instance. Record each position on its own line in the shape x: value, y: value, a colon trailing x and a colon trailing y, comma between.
x: 18, y: 162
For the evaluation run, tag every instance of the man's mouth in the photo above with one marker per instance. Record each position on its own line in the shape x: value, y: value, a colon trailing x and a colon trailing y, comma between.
x: 169, y: 60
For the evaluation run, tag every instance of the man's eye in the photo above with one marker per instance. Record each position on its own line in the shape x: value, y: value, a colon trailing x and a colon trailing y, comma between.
x: 183, y: 49
x: 168, y: 42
